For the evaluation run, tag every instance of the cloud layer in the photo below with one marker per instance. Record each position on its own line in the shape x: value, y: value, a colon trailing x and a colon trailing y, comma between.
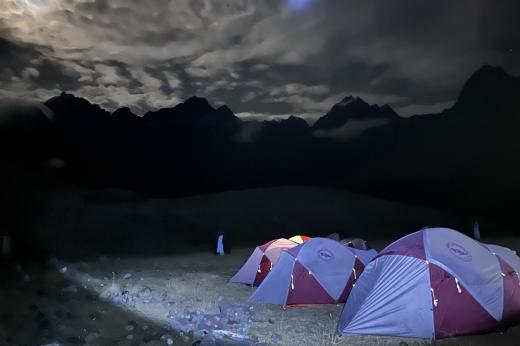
x: 263, y: 58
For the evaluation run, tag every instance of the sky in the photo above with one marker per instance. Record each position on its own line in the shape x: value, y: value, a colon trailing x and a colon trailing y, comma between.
x: 263, y: 58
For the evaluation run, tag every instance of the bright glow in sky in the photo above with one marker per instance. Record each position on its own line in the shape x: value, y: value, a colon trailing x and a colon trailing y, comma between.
x: 299, y: 4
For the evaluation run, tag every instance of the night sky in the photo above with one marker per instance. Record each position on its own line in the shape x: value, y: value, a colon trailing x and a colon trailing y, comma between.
x: 262, y: 58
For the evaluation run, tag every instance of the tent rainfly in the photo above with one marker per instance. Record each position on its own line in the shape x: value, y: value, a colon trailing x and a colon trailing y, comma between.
x: 262, y: 261
x: 434, y: 283
x: 319, y: 271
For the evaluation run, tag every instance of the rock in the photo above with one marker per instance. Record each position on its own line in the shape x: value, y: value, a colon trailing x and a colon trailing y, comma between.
x: 131, y: 325
x: 255, y: 317
x: 221, y: 334
x: 63, y: 270
x: 94, y: 316
x: 181, y: 325
x: 127, y: 276
x: 222, y: 323
x: 167, y: 338
x: 234, y: 312
x: 206, y: 325
x: 276, y: 338
x: 270, y: 321
x: 145, y: 291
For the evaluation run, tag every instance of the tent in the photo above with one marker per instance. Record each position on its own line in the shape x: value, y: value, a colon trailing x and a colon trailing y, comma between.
x: 319, y: 271
x: 299, y: 238
x: 510, y: 264
x: 356, y: 243
x: 434, y: 283
x: 261, y: 261
x: 334, y: 236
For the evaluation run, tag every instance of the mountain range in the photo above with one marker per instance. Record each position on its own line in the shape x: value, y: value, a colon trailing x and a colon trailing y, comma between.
x: 464, y: 158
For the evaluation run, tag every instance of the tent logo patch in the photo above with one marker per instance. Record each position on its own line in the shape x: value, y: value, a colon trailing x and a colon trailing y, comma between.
x: 459, y: 251
x: 325, y: 255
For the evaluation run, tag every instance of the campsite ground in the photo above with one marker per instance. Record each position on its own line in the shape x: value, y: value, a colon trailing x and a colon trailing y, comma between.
x: 175, y: 300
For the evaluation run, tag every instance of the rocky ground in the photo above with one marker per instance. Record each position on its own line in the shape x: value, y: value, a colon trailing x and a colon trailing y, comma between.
x: 176, y: 300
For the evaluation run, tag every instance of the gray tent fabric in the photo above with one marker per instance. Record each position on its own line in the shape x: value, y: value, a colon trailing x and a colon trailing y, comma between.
x: 334, y: 236
x: 356, y: 243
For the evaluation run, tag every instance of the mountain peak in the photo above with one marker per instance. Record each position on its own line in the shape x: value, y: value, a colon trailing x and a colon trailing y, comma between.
x: 353, y: 108
x: 195, y: 105
x: 197, y: 100
x: 124, y: 113
x: 488, y: 86
x: 226, y: 113
x: 224, y: 109
x: 349, y: 100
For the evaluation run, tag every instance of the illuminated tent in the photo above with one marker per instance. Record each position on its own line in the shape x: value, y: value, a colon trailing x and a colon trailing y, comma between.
x: 434, y: 283
x: 319, y: 271
x: 299, y: 238
x: 261, y: 261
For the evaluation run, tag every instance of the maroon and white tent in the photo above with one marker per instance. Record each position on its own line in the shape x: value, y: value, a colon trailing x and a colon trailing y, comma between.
x: 435, y: 283
x: 319, y: 271
x: 262, y: 261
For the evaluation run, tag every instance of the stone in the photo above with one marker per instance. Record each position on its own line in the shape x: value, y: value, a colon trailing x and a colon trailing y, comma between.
x: 276, y: 338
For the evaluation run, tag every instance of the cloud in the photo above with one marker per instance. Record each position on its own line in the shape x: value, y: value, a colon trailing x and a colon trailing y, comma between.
x: 264, y: 57
x: 30, y: 72
x: 413, y: 109
x: 350, y: 130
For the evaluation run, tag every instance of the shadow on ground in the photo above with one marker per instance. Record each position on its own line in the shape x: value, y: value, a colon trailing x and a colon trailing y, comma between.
x: 40, y: 306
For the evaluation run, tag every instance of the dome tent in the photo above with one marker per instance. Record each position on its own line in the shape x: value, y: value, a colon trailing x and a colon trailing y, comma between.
x: 319, y: 271
x: 261, y: 261
x: 300, y: 238
x: 510, y: 264
x: 434, y: 283
x: 356, y: 243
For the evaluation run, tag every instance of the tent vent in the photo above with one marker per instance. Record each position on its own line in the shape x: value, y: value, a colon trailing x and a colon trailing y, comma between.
x: 458, y: 287
x: 435, y: 300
